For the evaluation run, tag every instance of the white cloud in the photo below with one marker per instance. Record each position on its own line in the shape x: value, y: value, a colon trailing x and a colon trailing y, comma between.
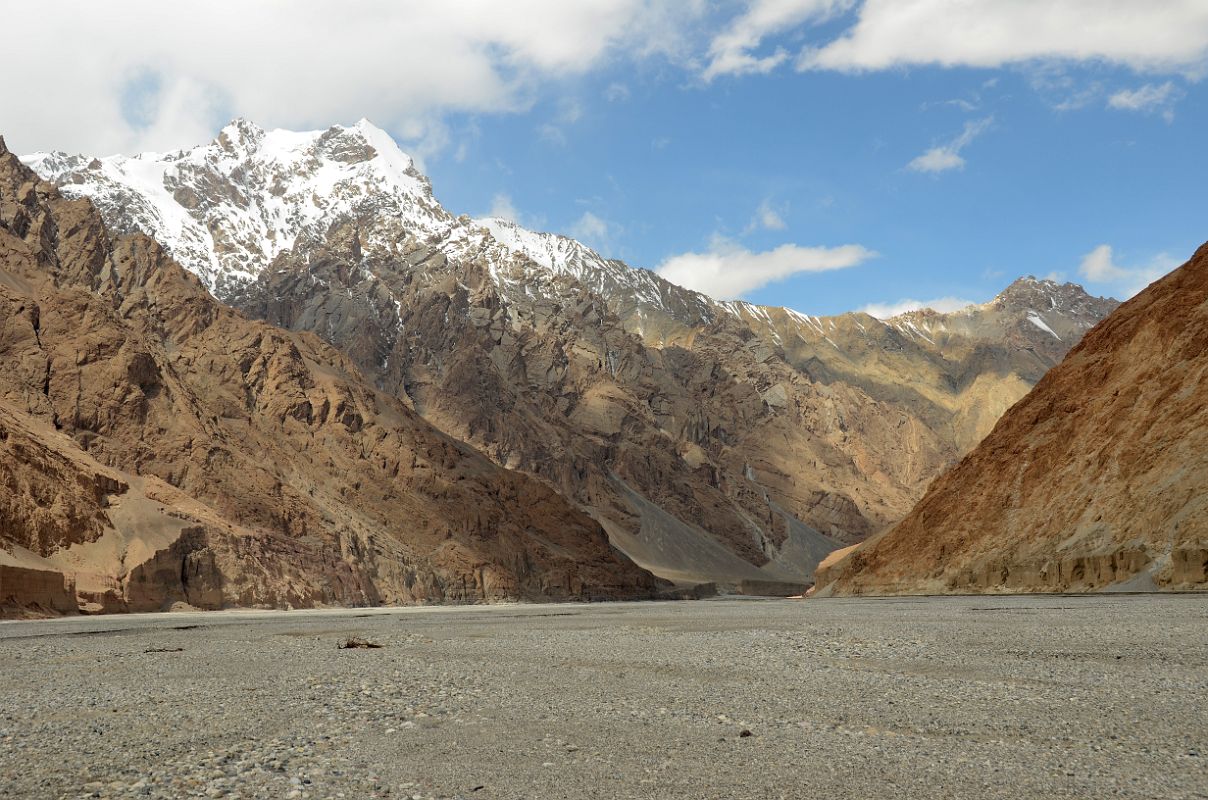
x: 1143, y: 98
x: 1147, y: 99
x: 942, y: 304
x: 502, y: 207
x: 594, y: 231
x: 731, y: 51
x: 1074, y: 98
x: 551, y: 133
x: 948, y: 156
x: 1099, y: 266
x: 589, y: 226
x: 1168, y: 36
x: 729, y: 271
x: 570, y: 111
x: 766, y: 218
x: 146, y: 74
x: 191, y: 65
x: 968, y: 106
x: 937, y: 159
x: 616, y: 92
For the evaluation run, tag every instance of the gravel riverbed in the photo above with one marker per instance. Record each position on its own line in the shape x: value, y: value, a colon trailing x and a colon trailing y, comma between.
x: 988, y: 697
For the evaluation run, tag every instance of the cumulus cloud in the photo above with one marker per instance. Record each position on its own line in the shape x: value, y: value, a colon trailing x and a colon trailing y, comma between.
x: 589, y: 226
x: 766, y: 218
x: 948, y: 156
x: 145, y: 74
x: 1100, y: 266
x: 551, y: 133
x: 1150, y: 98
x: 616, y: 92
x: 941, y: 304
x: 1168, y: 36
x: 728, y: 270
x: 502, y: 207
x: 570, y: 111
x: 732, y: 51
x: 595, y: 231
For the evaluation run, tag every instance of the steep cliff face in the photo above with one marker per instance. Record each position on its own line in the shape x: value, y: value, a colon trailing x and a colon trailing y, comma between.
x: 1097, y: 479
x: 160, y: 447
x: 719, y: 432
x: 714, y: 441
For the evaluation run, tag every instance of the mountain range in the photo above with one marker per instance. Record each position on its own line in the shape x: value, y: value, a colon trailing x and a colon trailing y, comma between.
x: 711, y: 441
x: 157, y: 447
x: 1096, y: 480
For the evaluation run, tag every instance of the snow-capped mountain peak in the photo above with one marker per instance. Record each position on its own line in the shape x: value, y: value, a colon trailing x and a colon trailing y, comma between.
x: 227, y: 208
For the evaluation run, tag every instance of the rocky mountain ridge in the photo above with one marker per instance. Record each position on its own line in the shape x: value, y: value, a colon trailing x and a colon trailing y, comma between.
x: 226, y: 209
x: 714, y: 441
x: 158, y: 447
x: 1094, y: 481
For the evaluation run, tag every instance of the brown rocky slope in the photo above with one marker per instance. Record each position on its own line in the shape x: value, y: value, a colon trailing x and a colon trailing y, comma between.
x: 1098, y: 479
x: 714, y: 441
x: 158, y: 447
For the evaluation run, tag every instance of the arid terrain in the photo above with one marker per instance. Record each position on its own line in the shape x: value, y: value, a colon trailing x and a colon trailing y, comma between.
x: 991, y: 697
x: 1095, y: 479
x: 713, y: 441
x: 158, y: 447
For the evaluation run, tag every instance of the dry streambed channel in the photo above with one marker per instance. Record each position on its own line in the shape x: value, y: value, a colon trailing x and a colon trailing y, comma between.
x: 1011, y: 697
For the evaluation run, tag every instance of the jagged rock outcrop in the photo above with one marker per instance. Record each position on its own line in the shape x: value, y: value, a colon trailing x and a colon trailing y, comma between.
x: 158, y: 447
x: 1097, y: 480
x: 714, y: 441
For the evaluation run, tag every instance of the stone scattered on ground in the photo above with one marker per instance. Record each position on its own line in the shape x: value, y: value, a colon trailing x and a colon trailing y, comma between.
x: 989, y: 697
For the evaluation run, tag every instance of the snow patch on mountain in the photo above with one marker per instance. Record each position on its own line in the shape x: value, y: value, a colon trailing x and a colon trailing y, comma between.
x: 228, y: 208
x: 1035, y: 319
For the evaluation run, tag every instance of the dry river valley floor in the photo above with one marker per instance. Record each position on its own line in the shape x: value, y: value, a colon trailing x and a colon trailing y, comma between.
x: 982, y: 697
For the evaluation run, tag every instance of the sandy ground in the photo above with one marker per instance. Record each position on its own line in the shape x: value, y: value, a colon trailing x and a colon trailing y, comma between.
x: 1033, y: 697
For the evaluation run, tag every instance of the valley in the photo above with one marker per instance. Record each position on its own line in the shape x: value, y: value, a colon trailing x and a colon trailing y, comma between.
x: 614, y: 399
x: 714, y: 442
x: 1021, y: 697
x: 1094, y: 481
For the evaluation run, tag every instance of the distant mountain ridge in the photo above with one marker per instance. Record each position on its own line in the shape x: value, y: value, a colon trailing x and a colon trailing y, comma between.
x: 1097, y: 480
x: 684, y: 425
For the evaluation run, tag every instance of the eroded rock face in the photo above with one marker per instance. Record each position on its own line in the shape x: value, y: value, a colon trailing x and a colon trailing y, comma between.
x: 162, y: 447
x: 1098, y: 478
x: 610, y: 384
x: 24, y: 590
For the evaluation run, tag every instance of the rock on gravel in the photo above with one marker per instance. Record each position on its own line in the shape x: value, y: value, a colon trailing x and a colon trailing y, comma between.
x: 1003, y: 697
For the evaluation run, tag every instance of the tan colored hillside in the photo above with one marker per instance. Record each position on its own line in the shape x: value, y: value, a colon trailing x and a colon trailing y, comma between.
x: 158, y: 447
x: 713, y: 441
x: 1098, y: 479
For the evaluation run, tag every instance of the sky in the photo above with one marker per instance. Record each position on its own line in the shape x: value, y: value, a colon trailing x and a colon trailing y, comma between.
x: 825, y: 155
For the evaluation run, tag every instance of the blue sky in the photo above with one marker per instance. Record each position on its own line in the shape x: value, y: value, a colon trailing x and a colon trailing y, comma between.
x: 668, y: 166
x: 821, y: 154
